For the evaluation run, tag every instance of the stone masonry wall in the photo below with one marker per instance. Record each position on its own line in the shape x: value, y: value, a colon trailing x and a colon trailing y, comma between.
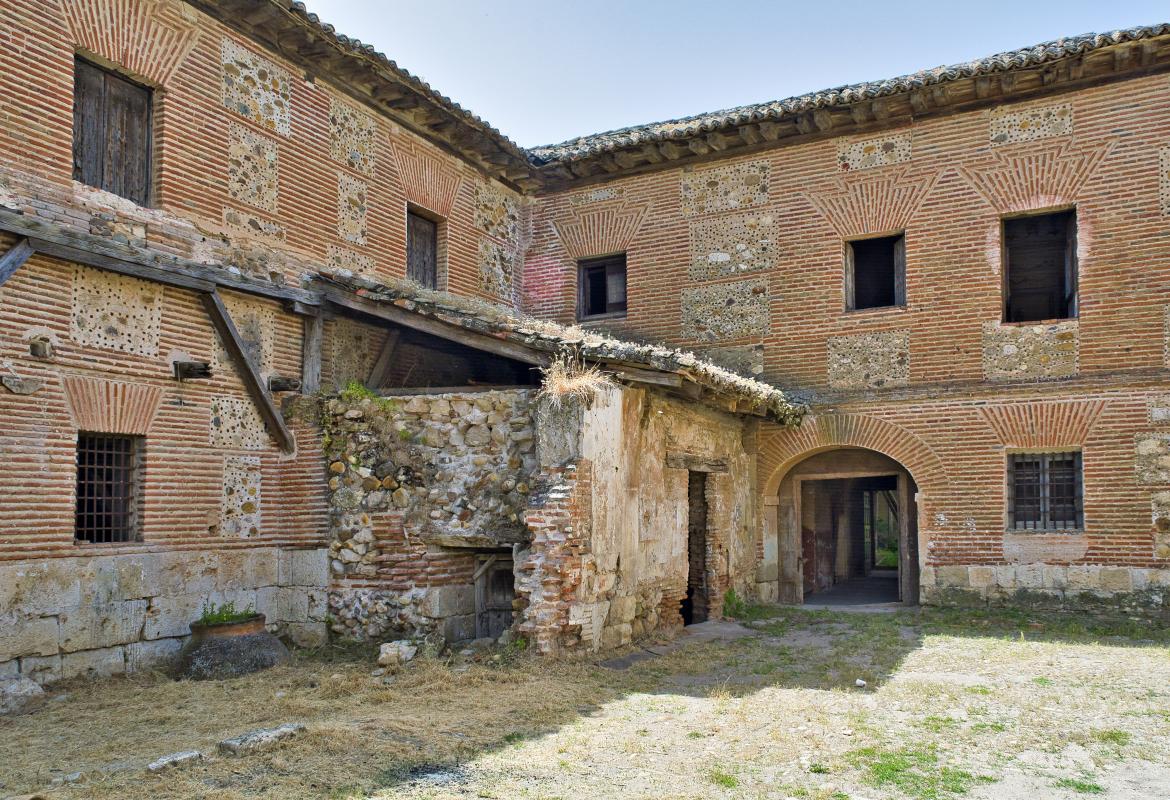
x: 417, y: 483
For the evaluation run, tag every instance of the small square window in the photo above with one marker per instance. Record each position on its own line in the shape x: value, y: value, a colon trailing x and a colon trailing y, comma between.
x: 422, y: 250
x: 111, y: 132
x: 876, y: 273
x: 1040, y: 267
x: 107, y: 488
x: 602, y: 287
x: 1045, y: 492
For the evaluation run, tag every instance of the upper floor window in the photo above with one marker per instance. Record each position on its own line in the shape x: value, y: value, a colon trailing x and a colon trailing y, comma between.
x: 422, y: 250
x: 1040, y: 267
x: 111, y: 132
x: 875, y: 274
x: 107, y: 488
x: 601, y: 286
x: 1045, y: 491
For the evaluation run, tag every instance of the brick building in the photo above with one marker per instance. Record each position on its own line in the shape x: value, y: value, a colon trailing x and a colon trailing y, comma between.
x: 217, y: 215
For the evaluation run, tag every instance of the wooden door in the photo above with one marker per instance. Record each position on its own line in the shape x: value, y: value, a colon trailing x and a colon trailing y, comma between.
x: 495, y: 589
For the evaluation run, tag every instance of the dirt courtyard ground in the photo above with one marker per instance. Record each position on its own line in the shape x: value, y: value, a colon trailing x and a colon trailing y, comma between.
x: 977, y: 705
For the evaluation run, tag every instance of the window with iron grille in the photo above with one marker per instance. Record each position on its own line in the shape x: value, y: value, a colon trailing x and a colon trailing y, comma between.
x: 1045, y: 492
x: 601, y: 288
x: 108, y: 469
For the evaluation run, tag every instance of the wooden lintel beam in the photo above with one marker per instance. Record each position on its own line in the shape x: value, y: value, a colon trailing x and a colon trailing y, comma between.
x: 647, y: 376
x: 444, y: 330
x: 234, y: 345
x: 11, y: 261
x: 111, y: 264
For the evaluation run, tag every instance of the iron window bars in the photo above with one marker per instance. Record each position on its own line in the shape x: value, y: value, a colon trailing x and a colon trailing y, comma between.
x: 1045, y: 492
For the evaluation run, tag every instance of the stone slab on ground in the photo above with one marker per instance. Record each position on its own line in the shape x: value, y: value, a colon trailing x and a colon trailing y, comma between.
x: 19, y: 694
x: 174, y: 760
x: 261, y: 739
x: 711, y: 631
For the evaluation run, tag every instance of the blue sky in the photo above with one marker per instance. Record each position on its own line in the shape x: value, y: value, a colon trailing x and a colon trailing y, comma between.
x: 546, y: 71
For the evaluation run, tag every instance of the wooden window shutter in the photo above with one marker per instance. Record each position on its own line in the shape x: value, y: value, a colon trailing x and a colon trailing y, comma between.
x: 111, y: 132
x: 89, y: 123
x: 422, y: 250
x: 900, y: 271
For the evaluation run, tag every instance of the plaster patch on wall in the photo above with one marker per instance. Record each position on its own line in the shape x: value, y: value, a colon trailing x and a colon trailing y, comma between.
x: 255, y: 321
x: 235, y: 423
x: 496, y: 212
x: 730, y: 245
x: 253, y: 170
x: 1152, y: 458
x: 354, y: 352
x: 881, y: 151
x: 726, y: 311
x: 252, y: 224
x: 115, y: 312
x: 598, y: 195
x: 345, y: 259
x: 496, y: 265
x: 1160, y: 508
x: 746, y: 360
x: 240, y: 509
x: 869, y: 360
x: 255, y: 88
x: 351, y: 208
x: 725, y: 188
x: 351, y: 136
x: 1159, y: 409
x: 1028, y: 125
x: 1164, y: 180
x: 1012, y: 352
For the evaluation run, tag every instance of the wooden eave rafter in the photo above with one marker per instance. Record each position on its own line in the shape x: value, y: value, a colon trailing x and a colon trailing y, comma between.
x: 1098, y: 67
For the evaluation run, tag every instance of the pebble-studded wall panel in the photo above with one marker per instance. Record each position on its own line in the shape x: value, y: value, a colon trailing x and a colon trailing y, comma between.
x: 869, y: 360
x: 115, y: 312
x: 1011, y: 352
x: 726, y: 311
x: 351, y: 136
x: 1164, y: 180
x: 730, y: 245
x: 598, y: 195
x: 252, y: 224
x: 255, y: 321
x: 725, y: 188
x: 345, y: 259
x: 1160, y: 508
x: 497, y: 212
x: 240, y: 512
x: 352, y: 198
x: 1159, y: 409
x: 235, y: 423
x: 354, y: 350
x: 496, y: 264
x: 255, y: 88
x: 253, y: 169
x: 877, y: 152
x: 1027, y: 125
x: 1152, y: 458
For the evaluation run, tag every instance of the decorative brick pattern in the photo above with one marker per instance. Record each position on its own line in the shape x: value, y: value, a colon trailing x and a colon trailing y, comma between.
x: 428, y: 180
x: 115, y: 312
x: 1152, y: 458
x: 350, y: 261
x: 731, y: 245
x: 253, y: 170
x: 1043, y: 425
x: 240, y: 511
x: 351, y: 136
x: 875, y: 203
x: 252, y: 224
x: 255, y: 88
x: 1012, y: 352
x: 1028, y: 125
x: 352, y: 195
x: 255, y: 321
x: 236, y: 424
x: 746, y: 360
x: 726, y: 311
x: 607, y: 228
x: 725, y: 188
x: 497, y: 212
x: 104, y: 406
x: 869, y: 360
x: 496, y: 266
x: 882, y: 151
x: 151, y: 38
x: 1040, y: 177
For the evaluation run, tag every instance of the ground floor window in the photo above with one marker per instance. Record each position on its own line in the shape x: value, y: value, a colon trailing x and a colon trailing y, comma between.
x: 108, y: 470
x: 1045, y: 491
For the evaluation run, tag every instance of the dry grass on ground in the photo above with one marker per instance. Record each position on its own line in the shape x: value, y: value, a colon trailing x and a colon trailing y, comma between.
x: 974, y: 705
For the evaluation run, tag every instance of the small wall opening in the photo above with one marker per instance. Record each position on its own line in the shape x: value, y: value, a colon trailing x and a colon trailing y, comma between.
x: 695, y: 606
x: 495, y: 591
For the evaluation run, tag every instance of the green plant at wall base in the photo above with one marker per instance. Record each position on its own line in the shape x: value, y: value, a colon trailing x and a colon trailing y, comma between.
x: 219, y: 615
x: 355, y: 392
x: 736, y: 607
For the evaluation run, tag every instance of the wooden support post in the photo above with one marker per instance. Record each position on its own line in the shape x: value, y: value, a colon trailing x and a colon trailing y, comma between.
x: 382, y: 365
x: 11, y: 261
x: 230, y: 337
x: 311, y: 355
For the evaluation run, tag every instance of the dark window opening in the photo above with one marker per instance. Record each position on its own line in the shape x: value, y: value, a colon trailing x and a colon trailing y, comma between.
x: 602, y: 287
x: 111, y: 132
x: 876, y: 273
x: 107, y: 488
x: 694, y: 606
x: 1045, y: 491
x: 422, y: 250
x: 1040, y: 258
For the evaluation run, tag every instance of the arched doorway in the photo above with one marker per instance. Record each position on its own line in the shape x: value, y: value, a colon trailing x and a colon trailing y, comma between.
x: 847, y: 530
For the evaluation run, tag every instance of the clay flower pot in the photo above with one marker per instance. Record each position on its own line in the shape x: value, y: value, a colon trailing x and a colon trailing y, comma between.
x: 230, y: 649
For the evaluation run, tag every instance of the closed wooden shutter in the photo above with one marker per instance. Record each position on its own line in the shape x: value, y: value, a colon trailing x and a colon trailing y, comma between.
x: 111, y: 133
x: 422, y: 245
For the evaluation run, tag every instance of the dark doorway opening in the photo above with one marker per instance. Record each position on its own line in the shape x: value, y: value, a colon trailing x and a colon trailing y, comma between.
x: 495, y: 589
x: 694, y: 607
